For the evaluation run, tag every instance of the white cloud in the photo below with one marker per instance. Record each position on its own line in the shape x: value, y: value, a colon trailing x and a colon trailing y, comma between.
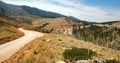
x: 72, y: 7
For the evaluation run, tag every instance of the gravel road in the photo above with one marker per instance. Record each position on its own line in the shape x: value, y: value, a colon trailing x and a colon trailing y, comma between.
x: 10, y: 48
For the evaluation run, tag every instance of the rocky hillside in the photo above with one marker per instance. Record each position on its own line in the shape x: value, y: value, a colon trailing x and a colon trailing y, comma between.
x: 105, y: 34
x: 101, y: 34
x: 61, y: 25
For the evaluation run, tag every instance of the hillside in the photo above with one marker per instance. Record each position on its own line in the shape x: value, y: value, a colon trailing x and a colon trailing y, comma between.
x: 9, y: 28
x: 104, y: 34
x: 51, y: 24
x: 49, y: 49
x: 108, y: 36
x: 8, y: 32
x: 61, y: 25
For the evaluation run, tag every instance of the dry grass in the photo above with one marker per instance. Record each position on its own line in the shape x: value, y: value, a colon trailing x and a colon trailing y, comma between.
x: 9, y: 33
x: 54, y: 24
x: 52, y: 21
x: 41, y: 50
x: 49, y: 49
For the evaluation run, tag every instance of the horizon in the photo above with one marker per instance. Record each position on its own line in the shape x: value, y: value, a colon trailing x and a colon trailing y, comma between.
x: 88, y: 10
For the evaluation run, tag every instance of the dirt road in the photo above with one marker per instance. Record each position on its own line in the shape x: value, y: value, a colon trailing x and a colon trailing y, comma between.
x: 10, y: 48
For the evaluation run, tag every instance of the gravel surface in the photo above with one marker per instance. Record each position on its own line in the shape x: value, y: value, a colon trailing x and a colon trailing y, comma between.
x: 10, y: 48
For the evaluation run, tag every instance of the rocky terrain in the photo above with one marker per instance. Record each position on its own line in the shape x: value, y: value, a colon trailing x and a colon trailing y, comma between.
x: 100, y: 34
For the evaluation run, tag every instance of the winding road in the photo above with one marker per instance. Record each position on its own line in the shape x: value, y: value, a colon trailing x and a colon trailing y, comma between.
x: 10, y: 48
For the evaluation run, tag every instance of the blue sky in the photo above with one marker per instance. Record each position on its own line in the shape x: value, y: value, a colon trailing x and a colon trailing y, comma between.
x: 112, y: 4
x: 90, y: 10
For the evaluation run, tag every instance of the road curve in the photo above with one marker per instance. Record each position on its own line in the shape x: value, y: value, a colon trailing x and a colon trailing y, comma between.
x: 10, y: 48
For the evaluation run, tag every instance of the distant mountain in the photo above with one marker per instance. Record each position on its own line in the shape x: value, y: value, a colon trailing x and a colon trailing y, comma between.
x: 26, y: 13
x: 111, y: 24
x: 38, y: 12
x: 14, y: 11
x: 74, y: 18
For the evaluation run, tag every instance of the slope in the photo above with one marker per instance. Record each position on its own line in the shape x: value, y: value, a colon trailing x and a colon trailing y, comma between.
x: 8, y: 32
x: 8, y: 28
x: 101, y: 34
x: 49, y: 49
x: 61, y: 25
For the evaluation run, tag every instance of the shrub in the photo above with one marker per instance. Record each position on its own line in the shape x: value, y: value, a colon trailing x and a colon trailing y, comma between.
x: 112, y: 61
x: 78, y: 54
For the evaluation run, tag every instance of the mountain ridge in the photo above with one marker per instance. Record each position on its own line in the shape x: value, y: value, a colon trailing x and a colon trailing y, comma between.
x: 27, y: 13
x: 11, y: 10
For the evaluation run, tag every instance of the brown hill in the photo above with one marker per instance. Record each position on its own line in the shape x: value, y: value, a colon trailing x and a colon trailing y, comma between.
x: 8, y: 32
x: 8, y: 29
x: 57, y: 25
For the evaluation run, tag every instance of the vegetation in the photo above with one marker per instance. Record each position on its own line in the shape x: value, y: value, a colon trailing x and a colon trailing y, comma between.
x: 38, y: 51
x: 104, y: 36
x: 78, y: 54
x: 111, y: 61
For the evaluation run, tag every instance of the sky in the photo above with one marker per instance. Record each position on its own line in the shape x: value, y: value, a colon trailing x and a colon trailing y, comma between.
x: 88, y: 10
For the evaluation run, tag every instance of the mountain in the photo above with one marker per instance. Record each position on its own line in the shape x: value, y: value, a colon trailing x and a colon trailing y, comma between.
x: 28, y: 14
x: 111, y: 24
x: 38, y: 12
x: 25, y: 13
x: 74, y: 18
x: 12, y: 10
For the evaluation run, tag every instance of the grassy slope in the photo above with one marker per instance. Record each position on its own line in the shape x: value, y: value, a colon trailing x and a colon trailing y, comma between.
x: 7, y: 31
x: 49, y: 49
